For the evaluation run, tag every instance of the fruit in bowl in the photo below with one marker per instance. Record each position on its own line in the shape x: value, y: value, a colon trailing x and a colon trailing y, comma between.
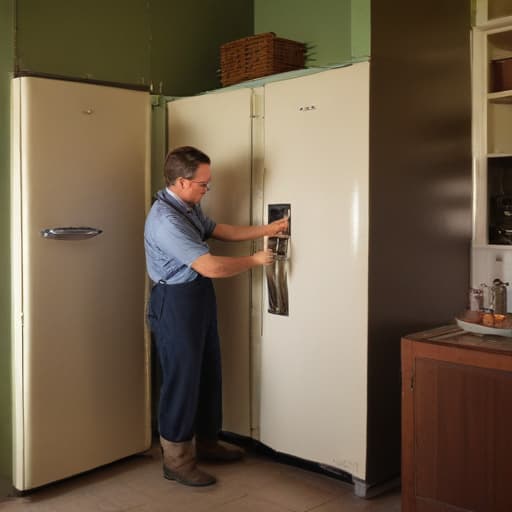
x: 474, y: 317
x: 487, y: 318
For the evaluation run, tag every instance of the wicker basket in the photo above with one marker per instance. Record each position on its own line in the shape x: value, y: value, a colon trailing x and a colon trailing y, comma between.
x: 259, y: 55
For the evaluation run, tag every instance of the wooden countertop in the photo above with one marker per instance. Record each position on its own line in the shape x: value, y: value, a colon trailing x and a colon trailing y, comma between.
x: 453, y: 335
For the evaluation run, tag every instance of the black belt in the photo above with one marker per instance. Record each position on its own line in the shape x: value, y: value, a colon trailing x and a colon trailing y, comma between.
x: 199, y: 276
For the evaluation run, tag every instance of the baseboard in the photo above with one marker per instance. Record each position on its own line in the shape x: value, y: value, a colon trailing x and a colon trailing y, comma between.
x: 284, y: 458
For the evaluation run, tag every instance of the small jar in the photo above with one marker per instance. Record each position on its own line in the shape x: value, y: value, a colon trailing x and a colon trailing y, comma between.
x: 476, y: 299
x: 499, y: 296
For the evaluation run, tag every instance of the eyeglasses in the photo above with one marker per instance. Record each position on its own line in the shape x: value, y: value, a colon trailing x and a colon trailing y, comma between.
x: 203, y: 184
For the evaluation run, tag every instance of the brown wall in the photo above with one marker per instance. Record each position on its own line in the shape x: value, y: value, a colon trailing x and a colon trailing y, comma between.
x: 420, y: 194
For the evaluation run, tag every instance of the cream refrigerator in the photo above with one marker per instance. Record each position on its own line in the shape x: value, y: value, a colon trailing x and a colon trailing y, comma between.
x: 80, y: 187
x: 297, y: 381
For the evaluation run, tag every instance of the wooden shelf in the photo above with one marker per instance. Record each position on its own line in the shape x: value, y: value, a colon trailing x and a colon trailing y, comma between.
x: 499, y: 155
x: 501, y: 247
x: 500, y: 97
x: 501, y: 40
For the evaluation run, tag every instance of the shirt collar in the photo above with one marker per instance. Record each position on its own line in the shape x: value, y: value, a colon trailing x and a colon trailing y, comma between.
x: 180, y: 201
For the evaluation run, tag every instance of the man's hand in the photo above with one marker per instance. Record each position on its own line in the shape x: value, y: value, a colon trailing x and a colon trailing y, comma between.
x: 278, y: 227
x: 265, y: 257
x: 231, y: 233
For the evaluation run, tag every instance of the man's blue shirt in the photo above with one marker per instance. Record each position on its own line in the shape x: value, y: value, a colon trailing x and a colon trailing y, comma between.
x: 175, y: 236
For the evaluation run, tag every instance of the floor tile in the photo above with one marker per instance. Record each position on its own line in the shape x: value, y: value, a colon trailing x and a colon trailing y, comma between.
x: 388, y: 502
x: 254, y: 484
x: 249, y: 504
x: 295, y: 494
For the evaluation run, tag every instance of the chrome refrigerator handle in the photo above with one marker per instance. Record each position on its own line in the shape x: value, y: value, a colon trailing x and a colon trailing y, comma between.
x: 277, y: 279
x: 70, y: 233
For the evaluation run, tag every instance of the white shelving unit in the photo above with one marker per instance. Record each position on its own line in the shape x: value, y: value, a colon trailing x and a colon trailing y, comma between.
x: 492, y: 145
x: 491, y: 10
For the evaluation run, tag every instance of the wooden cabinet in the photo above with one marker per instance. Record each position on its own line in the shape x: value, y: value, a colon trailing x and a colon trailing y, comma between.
x: 456, y: 422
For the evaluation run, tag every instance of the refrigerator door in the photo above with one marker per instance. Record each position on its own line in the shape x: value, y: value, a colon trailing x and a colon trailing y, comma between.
x: 314, y: 361
x: 80, y: 358
x: 220, y: 125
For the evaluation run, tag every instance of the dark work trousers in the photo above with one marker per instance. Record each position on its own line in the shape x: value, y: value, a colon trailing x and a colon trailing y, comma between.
x: 183, y: 318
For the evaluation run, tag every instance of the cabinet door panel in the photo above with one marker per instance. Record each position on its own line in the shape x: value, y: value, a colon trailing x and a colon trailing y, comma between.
x: 462, y: 425
x: 424, y: 505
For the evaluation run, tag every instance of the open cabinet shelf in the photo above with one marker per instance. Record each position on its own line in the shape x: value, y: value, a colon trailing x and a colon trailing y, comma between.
x: 492, y: 12
x: 492, y: 133
x: 492, y: 143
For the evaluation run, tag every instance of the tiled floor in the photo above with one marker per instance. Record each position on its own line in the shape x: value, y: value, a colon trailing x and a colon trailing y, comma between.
x: 256, y: 484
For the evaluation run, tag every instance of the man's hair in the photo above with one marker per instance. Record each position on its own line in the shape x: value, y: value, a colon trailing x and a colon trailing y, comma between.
x: 183, y: 162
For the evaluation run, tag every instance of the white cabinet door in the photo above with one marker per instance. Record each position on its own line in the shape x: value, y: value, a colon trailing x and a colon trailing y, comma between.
x: 220, y: 125
x: 314, y: 361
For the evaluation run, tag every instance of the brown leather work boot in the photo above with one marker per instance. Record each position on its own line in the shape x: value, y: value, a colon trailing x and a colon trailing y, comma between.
x: 180, y: 464
x: 217, y: 451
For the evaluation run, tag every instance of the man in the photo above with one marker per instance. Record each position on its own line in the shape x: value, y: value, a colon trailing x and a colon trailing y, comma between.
x: 183, y: 317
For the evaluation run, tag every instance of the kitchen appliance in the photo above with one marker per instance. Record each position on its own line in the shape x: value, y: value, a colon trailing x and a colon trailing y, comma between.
x: 294, y: 336
x: 80, y: 189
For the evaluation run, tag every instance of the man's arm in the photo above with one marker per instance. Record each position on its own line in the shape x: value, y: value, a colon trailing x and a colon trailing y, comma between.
x: 230, y: 233
x: 223, y: 266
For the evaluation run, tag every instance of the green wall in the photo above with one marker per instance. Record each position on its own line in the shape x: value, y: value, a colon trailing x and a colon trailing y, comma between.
x: 186, y: 39
x: 6, y: 66
x: 170, y: 45
x: 102, y: 40
x: 158, y: 141
x: 360, y: 15
x: 337, y: 31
